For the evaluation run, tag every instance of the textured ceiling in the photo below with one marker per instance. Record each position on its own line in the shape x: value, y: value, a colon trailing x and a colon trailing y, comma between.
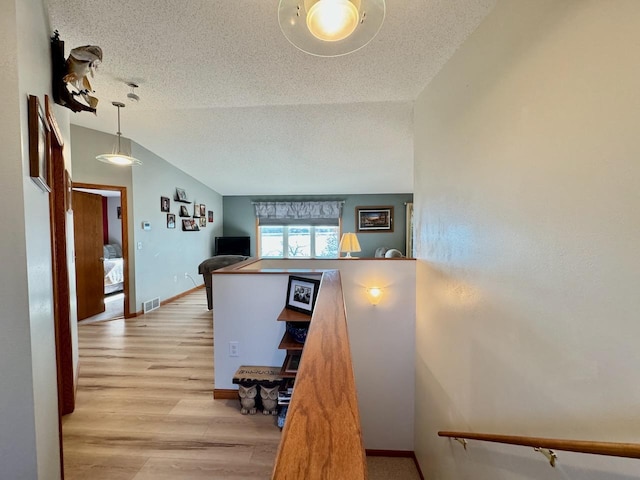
x: 226, y: 98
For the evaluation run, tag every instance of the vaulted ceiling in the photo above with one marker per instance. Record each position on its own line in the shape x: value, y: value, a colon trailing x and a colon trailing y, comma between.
x: 226, y: 98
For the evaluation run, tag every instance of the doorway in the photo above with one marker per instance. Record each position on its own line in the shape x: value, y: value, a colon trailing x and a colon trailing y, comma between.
x: 101, y: 244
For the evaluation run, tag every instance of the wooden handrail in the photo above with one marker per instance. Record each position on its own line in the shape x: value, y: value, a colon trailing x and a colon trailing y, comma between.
x: 322, y: 437
x: 612, y: 449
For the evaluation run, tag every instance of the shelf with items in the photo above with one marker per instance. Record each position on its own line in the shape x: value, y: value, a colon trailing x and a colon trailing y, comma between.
x: 176, y: 199
x: 289, y: 343
x: 288, y: 315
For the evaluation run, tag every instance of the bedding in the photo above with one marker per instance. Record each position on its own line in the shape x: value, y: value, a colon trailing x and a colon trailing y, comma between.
x: 113, y: 269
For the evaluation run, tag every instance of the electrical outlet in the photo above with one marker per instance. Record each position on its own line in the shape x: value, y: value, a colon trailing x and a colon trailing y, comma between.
x: 234, y: 349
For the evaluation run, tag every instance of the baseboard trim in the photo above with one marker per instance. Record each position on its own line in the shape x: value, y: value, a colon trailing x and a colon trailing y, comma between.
x: 168, y: 300
x: 396, y: 453
x: 389, y: 453
x: 225, y: 394
x: 180, y: 295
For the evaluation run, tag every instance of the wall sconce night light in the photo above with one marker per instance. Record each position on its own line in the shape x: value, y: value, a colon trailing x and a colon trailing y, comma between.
x: 374, y: 294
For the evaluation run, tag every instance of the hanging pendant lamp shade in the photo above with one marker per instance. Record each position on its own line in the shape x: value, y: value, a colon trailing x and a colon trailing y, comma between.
x: 117, y: 157
x: 330, y: 28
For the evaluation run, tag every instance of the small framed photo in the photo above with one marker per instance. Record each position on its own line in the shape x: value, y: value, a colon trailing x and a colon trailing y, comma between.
x: 188, y: 224
x: 203, y: 210
x: 210, y: 216
x: 203, y: 221
x: 171, y: 220
x: 196, y: 210
x: 39, y: 145
x: 181, y: 195
x: 164, y: 204
x: 374, y: 219
x: 302, y: 294
x: 184, y: 212
x: 292, y: 362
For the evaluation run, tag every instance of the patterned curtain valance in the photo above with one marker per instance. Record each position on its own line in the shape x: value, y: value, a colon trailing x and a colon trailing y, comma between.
x: 290, y: 213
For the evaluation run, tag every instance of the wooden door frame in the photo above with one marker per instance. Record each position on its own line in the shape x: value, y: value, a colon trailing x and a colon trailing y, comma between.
x: 60, y: 275
x: 125, y: 234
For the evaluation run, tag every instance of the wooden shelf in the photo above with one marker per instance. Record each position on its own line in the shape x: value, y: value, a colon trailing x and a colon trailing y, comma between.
x: 181, y: 201
x: 288, y: 343
x: 292, y: 316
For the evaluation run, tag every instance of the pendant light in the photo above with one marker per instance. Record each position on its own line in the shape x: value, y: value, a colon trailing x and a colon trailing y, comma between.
x: 330, y: 28
x: 117, y: 157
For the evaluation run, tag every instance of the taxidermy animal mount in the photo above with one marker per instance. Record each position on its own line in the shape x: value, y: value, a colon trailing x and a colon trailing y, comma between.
x: 71, y: 76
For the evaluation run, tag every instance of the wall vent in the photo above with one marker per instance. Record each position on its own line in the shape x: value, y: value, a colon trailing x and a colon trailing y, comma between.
x: 151, y: 305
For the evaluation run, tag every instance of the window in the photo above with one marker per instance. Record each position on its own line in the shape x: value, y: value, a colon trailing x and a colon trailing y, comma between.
x: 298, y: 241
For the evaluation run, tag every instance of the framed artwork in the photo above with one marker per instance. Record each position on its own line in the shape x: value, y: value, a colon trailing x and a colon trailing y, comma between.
x: 409, y: 232
x: 181, y: 195
x: 164, y: 204
x: 374, y: 219
x: 302, y: 294
x: 39, y: 145
x: 203, y: 210
x: 203, y: 221
x: 189, y: 225
x: 171, y: 220
x: 196, y: 210
x: 292, y: 362
x: 210, y: 216
x: 184, y: 212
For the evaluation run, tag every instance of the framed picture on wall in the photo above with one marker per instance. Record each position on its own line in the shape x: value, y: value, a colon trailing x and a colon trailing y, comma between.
x: 39, y: 145
x: 164, y: 204
x: 203, y: 210
x: 196, y: 210
x: 203, y: 221
x: 171, y: 220
x: 181, y: 195
x: 210, y: 216
x: 184, y: 212
x: 374, y: 219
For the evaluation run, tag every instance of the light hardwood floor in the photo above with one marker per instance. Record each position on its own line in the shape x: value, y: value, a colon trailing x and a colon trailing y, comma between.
x: 145, y: 409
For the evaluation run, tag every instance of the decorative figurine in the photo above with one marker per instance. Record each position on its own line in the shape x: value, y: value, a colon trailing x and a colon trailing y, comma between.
x: 248, y: 399
x: 269, y: 399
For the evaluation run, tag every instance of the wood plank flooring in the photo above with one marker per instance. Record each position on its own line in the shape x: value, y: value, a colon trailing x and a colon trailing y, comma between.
x: 145, y: 408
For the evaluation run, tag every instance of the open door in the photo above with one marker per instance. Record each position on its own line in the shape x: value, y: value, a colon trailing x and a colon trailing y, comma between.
x: 87, y: 217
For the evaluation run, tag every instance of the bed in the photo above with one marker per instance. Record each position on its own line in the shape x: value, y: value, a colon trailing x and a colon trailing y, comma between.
x: 113, y: 269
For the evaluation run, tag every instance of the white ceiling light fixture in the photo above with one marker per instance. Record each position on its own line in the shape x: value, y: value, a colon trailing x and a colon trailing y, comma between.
x: 132, y: 94
x: 117, y: 157
x: 330, y: 28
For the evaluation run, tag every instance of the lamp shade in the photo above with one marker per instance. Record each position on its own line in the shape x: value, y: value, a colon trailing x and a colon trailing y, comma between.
x: 117, y: 156
x: 330, y: 28
x: 349, y: 243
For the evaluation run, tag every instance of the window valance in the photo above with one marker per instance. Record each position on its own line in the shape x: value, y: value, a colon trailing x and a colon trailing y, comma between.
x: 291, y: 213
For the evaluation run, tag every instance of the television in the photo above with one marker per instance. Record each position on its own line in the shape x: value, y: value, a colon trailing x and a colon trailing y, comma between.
x: 233, y: 246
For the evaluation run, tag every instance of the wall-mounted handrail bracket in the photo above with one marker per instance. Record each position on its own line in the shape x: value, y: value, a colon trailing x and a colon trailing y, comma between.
x: 461, y: 441
x: 550, y: 454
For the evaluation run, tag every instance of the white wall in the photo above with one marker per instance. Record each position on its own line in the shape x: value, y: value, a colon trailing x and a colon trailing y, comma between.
x: 158, y: 269
x: 115, y: 223
x: 29, y: 445
x: 167, y: 254
x: 526, y: 209
x: 381, y: 337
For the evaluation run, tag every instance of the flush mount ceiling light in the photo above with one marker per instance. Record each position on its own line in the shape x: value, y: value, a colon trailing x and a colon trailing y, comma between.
x: 330, y: 28
x: 117, y: 157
